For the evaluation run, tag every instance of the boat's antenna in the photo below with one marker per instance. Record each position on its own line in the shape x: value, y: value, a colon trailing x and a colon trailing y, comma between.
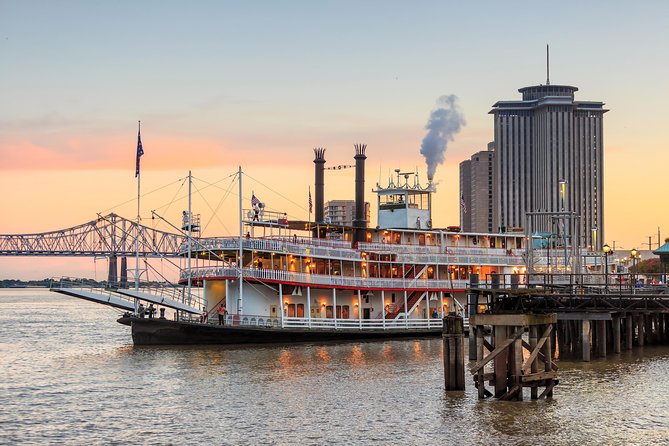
x: 548, y: 71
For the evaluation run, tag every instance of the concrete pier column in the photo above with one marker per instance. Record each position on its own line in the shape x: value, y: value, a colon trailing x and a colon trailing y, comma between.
x: 641, y: 328
x: 629, y: 332
x: 601, y: 339
x: 585, y: 339
x: 112, y: 276
x: 616, y: 334
x: 124, y: 273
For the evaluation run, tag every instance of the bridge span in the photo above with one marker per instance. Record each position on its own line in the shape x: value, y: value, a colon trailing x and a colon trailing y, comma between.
x: 111, y: 235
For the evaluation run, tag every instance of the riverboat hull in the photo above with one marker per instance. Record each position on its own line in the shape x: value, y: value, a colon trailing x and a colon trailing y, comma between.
x: 156, y: 331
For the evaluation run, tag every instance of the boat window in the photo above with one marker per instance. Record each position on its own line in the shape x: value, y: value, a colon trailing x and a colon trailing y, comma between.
x: 328, y: 312
x: 300, y: 310
x: 345, y: 312
x: 291, y: 310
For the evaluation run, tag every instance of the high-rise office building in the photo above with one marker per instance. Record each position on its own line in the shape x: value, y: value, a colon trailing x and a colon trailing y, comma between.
x: 548, y: 158
x: 476, y: 192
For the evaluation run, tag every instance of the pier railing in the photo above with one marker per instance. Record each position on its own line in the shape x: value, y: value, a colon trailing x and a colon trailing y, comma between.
x: 594, y: 283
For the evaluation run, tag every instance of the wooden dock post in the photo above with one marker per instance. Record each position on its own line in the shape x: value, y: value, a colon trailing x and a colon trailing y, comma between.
x: 454, y: 352
x: 511, y: 374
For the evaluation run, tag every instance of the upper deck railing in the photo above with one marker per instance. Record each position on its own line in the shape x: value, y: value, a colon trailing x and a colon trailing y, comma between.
x: 342, y: 250
x: 305, y: 279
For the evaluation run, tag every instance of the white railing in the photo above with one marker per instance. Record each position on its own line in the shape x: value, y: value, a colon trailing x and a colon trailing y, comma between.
x: 322, y: 279
x: 341, y: 250
x: 362, y: 324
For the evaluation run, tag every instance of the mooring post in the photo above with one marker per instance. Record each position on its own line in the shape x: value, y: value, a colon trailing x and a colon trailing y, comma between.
x: 585, y: 339
x: 453, y: 337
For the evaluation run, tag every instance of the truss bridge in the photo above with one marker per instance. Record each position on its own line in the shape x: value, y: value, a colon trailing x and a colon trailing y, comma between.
x: 111, y: 235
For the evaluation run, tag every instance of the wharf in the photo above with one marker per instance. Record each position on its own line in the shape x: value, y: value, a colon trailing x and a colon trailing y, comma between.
x: 591, y: 318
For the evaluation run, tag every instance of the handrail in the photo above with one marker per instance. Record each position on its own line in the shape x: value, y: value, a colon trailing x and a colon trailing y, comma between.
x: 323, y: 279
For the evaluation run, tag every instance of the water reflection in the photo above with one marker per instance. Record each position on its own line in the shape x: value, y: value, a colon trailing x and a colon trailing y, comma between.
x: 66, y: 362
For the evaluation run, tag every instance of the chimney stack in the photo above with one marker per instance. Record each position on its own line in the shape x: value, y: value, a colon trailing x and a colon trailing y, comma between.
x: 319, y: 162
x: 360, y: 221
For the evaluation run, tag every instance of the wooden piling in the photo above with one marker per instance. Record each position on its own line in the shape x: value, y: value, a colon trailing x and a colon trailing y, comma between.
x: 510, y: 373
x: 454, y: 352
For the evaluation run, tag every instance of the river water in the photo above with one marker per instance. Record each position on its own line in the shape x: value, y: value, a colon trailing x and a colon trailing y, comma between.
x: 70, y: 374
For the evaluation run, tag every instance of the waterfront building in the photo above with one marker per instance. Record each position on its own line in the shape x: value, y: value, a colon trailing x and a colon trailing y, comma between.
x: 342, y: 212
x: 476, y: 192
x: 549, y: 158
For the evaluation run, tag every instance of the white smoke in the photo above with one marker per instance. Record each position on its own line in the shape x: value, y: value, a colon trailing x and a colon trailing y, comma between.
x: 445, y: 121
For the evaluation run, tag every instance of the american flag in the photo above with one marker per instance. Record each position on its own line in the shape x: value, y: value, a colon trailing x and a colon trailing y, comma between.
x: 140, y: 152
x: 311, y: 204
x: 254, y: 200
x: 463, y: 205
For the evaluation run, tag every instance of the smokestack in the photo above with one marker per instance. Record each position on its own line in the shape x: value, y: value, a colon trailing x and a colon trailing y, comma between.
x: 445, y: 121
x: 319, y: 162
x: 360, y: 221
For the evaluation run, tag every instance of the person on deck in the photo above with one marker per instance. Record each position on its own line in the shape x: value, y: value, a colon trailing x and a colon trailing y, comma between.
x: 151, y: 311
x: 222, y: 312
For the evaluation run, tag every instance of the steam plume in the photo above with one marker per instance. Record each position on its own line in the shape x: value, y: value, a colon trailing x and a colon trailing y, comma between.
x: 445, y: 121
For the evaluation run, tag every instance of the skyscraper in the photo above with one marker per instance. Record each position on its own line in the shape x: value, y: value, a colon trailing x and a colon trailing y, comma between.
x: 548, y: 158
x: 476, y: 192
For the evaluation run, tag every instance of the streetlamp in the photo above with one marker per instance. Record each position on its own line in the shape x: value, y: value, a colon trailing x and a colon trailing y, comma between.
x: 634, y: 255
x: 607, y: 249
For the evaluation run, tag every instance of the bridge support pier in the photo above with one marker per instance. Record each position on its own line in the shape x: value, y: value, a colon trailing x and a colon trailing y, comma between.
x: 124, y: 273
x: 112, y: 277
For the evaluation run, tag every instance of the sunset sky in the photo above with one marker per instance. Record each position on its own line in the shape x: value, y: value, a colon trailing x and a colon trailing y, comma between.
x: 219, y: 84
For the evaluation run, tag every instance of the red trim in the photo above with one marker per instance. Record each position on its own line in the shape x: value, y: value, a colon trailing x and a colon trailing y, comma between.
x: 320, y: 286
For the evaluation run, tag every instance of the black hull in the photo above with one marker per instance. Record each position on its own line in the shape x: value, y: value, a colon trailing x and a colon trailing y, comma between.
x: 166, y: 332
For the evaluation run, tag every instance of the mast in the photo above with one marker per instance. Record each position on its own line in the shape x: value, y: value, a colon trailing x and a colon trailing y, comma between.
x: 548, y: 72
x: 241, y: 241
x: 190, y: 234
x: 139, y: 153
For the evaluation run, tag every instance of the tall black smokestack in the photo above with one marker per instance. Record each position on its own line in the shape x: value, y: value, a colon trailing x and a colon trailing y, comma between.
x: 360, y: 221
x: 319, y: 162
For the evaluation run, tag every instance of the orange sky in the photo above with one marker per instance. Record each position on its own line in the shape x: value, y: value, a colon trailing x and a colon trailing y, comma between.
x: 223, y: 85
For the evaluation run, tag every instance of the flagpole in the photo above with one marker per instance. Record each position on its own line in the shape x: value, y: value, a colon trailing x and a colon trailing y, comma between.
x: 139, y: 132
